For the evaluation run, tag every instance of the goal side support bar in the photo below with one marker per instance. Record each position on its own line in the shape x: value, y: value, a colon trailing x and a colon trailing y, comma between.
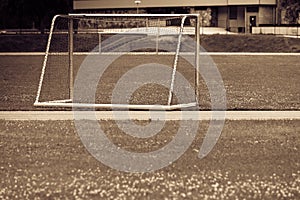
x: 197, y: 57
x: 176, y: 61
x: 71, y: 51
x: 45, y: 59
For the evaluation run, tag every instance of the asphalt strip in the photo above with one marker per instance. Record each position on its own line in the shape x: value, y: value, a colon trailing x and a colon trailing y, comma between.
x: 149, y: 115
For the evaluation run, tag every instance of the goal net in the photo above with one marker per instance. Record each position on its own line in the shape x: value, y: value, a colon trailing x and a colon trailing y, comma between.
x: 122, y: 61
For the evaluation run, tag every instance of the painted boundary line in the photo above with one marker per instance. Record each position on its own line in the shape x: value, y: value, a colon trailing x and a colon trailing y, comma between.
x: 153, y: 115
x: 22, y: 53
x: 208, y: 53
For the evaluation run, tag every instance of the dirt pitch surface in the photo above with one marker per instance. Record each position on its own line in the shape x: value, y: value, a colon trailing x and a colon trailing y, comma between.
x: 251, y: 82
x: 252, y: 160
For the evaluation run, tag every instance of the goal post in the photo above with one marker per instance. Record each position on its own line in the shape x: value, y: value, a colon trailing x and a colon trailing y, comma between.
x: 75, y: 38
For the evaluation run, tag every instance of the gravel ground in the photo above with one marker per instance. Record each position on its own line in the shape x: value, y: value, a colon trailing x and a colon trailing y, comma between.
x: 252, y: 160
x: 251, y: 82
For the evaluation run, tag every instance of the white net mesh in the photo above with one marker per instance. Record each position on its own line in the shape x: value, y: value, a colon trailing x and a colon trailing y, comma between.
x: 128, y: 41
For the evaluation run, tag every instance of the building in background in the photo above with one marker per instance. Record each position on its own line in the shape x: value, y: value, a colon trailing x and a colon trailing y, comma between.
x: 233, y: 15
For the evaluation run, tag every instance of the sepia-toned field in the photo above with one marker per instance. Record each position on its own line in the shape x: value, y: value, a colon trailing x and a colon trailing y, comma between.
x: 252, y: 159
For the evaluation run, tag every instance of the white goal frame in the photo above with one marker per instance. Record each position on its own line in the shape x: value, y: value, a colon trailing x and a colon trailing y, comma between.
x: 68, y: 103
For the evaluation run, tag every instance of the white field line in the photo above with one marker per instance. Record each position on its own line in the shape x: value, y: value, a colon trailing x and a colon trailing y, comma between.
x: 207, y: 53
x: 153, y: 115
x: 22, y: 53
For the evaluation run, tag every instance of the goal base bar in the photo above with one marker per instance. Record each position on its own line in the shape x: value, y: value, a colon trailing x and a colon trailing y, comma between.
x: 115, y: 106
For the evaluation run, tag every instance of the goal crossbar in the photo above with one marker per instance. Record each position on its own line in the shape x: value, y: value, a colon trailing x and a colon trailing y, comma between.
x: 129, y: 15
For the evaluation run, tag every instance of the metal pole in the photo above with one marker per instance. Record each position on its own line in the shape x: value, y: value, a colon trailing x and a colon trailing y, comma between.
x: 175, y: 64
x: 100, y: 42
x: 45, y: 59
x: 197, y: 58
x: 137, y: 3
x: 157, y: 36
x: 245, y: 15
x: 71, y: 51
x: 147, y: 24
x: 298, y: 26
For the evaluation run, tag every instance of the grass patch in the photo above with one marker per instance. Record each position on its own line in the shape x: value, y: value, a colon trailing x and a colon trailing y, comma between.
x: 250, y: 43
x: 212, y: 43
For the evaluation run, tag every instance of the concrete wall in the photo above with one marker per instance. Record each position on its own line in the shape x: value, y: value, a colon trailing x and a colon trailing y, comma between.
x: 245, y: 2
x: 241, y: 17
x: 237, y: 25
x: 251, y: 2
x: 294, y: 31
x: 102, y: 4
x: 222, y: 17
x: 266, y: 15
x: 268, y: 2
x: 247, y: 20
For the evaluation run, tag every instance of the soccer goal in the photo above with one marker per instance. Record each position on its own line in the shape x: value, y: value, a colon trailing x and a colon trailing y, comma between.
x: 88, y: 54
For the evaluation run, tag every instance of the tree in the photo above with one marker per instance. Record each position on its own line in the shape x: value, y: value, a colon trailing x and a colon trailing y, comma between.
x: 292, y: 8
x: 15, y: 10
x: 42, y: 12
x: 3, y: 13
x: 24, y: 13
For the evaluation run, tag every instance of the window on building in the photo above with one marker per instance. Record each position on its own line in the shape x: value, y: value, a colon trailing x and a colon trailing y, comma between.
x: 233, y: 12
x: 252, y: 9
x: 201, y: 8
